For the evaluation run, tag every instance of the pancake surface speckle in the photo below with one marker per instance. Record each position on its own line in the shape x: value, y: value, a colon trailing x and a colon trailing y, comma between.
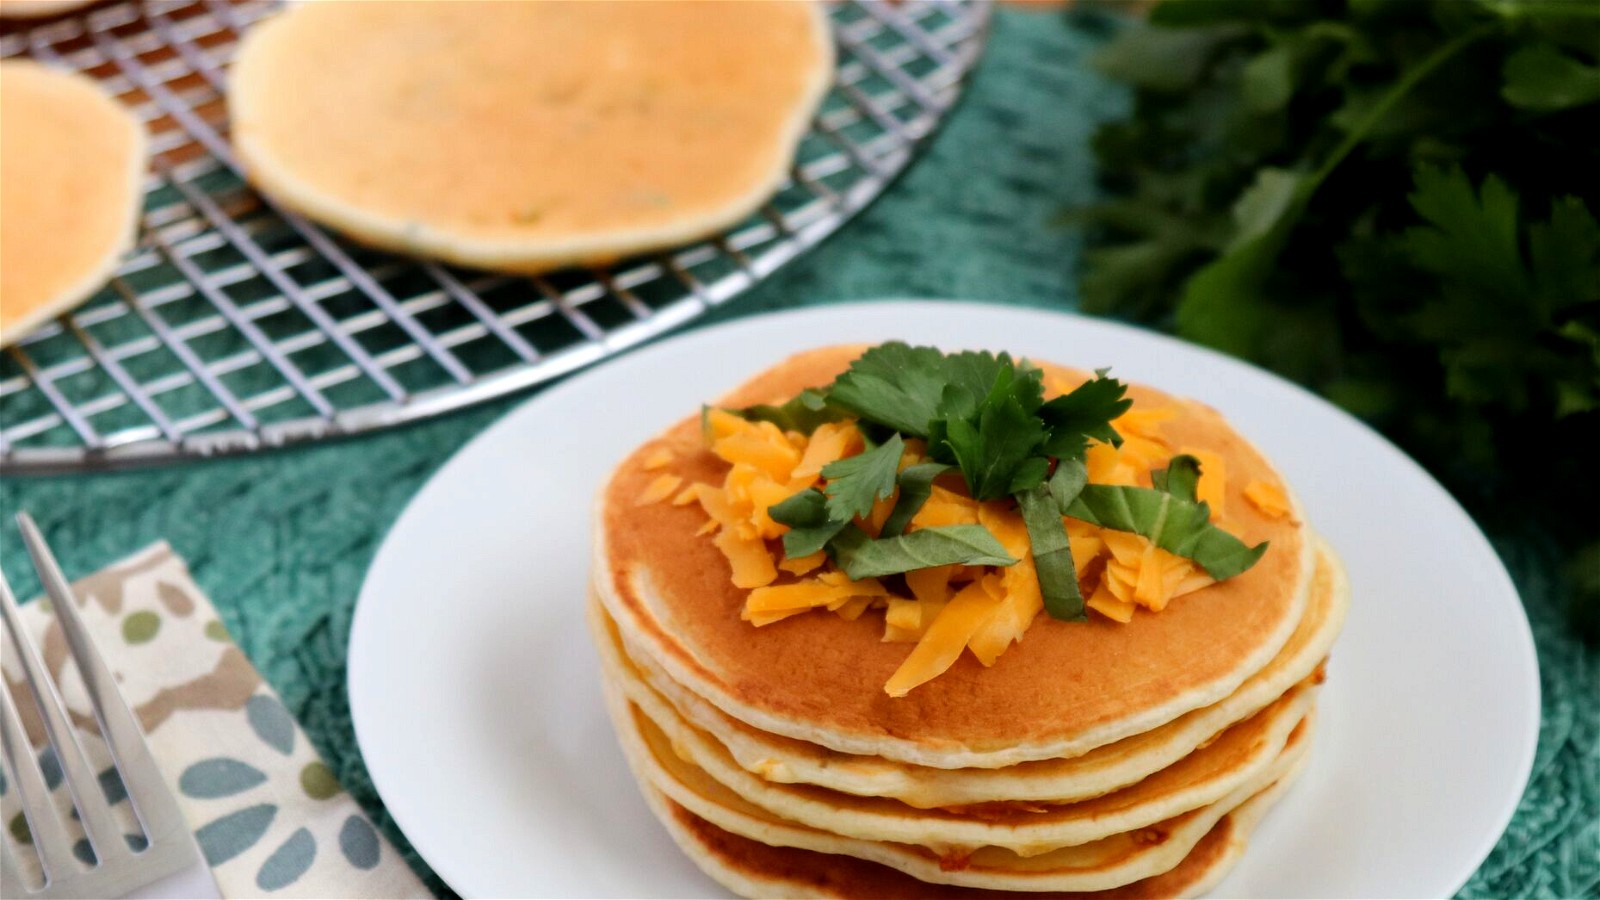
x: 71, y: 164
x: 525, y: 136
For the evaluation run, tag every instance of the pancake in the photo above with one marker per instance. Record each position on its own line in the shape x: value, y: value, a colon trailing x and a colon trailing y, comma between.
x: 754, y: 869
x: 70, y: 192
x: 39, y: 9
x: 527, y: 136
x: 1063, y: 690
x: 1236, y: 757
x: 1097, y: 772
x: 1110, y: 862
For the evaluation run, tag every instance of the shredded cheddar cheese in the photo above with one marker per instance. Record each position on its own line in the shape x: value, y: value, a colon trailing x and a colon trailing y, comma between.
x: 951, y: 608
x: 659, y: 459
x: 1213, y: 480
x: 1268, y: 498
x: 659, y: 490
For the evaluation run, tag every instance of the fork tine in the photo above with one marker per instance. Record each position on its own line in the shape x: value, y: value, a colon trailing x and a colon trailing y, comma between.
x: 152, y: 801
x: 93, y: 811
x: 49, y: 834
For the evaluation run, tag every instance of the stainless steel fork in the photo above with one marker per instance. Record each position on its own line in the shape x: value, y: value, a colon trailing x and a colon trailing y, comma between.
x: 170, y: 863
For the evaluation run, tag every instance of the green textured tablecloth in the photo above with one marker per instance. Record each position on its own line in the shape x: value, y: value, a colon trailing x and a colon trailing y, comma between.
x: 281, y: 541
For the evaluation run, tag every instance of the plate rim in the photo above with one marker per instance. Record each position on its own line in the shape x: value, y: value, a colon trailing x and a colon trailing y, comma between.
x: 357, y: 648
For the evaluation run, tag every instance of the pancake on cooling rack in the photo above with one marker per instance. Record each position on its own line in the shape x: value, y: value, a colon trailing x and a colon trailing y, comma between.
x: 39, y: 9
x: 70, y: 192
x: 527, y: 136
x: 893, y: 622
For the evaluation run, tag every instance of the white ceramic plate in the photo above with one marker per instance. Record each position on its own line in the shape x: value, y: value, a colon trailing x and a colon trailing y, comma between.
x: 476, y: 702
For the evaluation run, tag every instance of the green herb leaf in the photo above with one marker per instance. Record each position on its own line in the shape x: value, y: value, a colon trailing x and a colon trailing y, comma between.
x: 1085, y: 414
x: 862, y: 557
x: 810, y: 529
x: 916, y: 485
x: 855, y: 483
x: 1178, y: 526
x: 1052, y: 554
x: 991, y: 451
x: 803, y: 413
x: 895, y: 385
x: 1068, y: 481
x: 1180, y: 478
x: 1541, y: 77
x: 1030, y: 474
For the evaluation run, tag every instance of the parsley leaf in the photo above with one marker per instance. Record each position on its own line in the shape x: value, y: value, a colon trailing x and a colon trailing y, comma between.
x: 984, y: 414
x: 1068, y: 481
x: 806, y: 514
x: 803, y: 413
x: 1181, y: 477
x: 916, y: 485
x: 893, y: 384
x: 1052, y: 554
x: 855, y: 483
x: 862, y: 557
x: 1173, y: 520
x: 1085, y: 414
x: 993, y: 445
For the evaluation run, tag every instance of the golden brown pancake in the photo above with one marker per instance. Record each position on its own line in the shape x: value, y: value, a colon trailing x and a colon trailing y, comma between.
x: 1114, y: 861
x: 1230, y: 760
x: 1097, y: 772
x: 525, y: 136
x: 1236, y: 758
x: 70, y: 191
x: 1064, y: 689
x: 754, y: 869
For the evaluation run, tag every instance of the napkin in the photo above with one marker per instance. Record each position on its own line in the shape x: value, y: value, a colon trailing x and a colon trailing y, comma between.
x: 268, y: 814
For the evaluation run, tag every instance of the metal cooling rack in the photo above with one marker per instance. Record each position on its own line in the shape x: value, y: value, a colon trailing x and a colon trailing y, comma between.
x: 236, y: 326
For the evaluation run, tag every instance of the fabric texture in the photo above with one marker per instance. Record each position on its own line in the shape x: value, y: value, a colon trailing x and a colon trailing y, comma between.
x: 267, y: 813
x: 281, y: 541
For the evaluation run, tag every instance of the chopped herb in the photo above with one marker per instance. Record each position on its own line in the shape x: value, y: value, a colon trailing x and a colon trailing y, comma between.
x: 1181, y: 478
x: 862, y: 557
x: 894, y: 384
x: 916, y: 485
x: 982, y: 414
x: 992, y: 446
x: 1170, y: 521
x: 1052, y: 554
x: 855, y: 483
x: 803, y: 413
x: 1085, y: 415
x: 806, y: 514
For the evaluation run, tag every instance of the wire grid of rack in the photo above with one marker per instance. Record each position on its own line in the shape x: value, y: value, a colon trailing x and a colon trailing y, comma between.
x: 236, y: 326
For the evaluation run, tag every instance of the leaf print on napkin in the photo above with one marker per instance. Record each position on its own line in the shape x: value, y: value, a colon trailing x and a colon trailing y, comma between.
x: 359, y: 842
x: 287, y: 863
x: 271, y: 722
x: 234, y: 833
x: 219, y: 777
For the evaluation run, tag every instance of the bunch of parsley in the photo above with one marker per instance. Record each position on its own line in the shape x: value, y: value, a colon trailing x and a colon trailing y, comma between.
x: 1391, y: 201
x: 983, y: 419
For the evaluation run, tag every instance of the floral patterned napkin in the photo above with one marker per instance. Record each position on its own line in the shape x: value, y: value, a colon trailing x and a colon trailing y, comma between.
x: 268, y: 814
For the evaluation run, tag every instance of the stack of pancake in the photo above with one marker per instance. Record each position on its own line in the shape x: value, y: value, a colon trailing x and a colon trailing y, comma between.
x: 1131, y: 759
